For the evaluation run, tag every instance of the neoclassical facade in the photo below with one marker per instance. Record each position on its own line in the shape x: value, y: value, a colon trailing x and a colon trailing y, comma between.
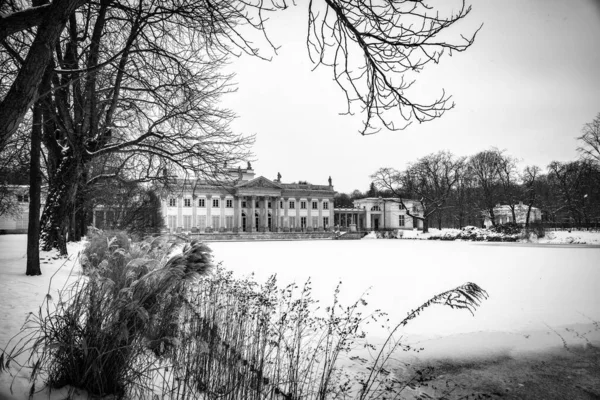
x: 248, y: 204
x: 376, y: 213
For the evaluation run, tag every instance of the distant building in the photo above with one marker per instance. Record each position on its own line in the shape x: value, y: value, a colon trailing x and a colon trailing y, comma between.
x: 376, y: 213
x: 20, y: 222
x: 246, y: 203
x: 503, y: 215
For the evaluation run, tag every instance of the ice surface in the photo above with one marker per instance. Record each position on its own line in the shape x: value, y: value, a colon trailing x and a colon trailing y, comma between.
x: 529, y: 286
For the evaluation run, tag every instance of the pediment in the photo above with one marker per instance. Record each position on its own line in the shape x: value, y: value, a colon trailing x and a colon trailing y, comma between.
x: 260, y: 182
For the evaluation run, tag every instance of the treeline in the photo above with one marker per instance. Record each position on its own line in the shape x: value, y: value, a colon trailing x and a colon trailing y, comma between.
x: 455, y: 191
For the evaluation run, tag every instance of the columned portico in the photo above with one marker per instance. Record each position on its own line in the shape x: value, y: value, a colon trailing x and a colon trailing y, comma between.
x: 248, y: 204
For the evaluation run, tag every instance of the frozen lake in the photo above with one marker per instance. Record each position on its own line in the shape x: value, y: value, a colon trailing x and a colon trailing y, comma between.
x: 530, y: 287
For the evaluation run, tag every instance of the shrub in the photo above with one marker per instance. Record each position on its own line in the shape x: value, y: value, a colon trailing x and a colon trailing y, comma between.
x: 510, y: 228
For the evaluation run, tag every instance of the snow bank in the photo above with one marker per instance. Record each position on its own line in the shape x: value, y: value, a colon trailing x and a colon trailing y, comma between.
x: 473, y: 233
x: 570, y: 237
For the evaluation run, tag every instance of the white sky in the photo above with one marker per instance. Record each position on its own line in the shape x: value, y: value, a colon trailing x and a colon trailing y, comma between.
x: 527, y: 85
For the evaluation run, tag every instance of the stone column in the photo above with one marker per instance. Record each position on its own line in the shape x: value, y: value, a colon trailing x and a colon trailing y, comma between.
x: 298, y: 224
x: 309, y: 226
x: 276, y: 226
x: 252, y: 211
x: 266, y: 216
x: 222, y: 210
x: 194, y: 210
x: 320, y: 222
x: 209, y: 211
x: 286, y: 222
x: 179, y: 211
x: 237, y: 214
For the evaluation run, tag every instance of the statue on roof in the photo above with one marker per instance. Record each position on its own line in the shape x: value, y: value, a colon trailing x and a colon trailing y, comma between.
x: 329, y: 180
x: 278, y: 177
x: 249, y: 165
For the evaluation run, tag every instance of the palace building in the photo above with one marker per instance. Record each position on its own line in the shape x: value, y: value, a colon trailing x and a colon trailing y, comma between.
x: 377, y: 213
x: 245, y: 203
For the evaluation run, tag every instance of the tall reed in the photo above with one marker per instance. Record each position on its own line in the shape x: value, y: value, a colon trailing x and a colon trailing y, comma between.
x: 158, y: 319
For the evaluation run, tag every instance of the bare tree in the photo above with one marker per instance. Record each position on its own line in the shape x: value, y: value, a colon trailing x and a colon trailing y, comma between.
x: 430, y: 180
x: 485, y: 168
x: 575, y: 184
x: 531, y: 182
x: 509, y: 179
x: 590, y: 148
x: 375, y: 50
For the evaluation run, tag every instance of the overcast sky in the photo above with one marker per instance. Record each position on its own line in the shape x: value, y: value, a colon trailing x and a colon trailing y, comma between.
x: 527, y: 85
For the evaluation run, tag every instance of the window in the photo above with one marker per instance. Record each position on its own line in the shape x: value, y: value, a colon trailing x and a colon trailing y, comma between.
x: 229, y: 203
x: 229, y: 222
x: 215, y: 222
x: 325, y: 205
x: 281, y: 204
x: 269, y: 204
x: 326, y: 221
x: 172, y: 202
x: 23, y: 198
x: 201, y: 203
x: 400, y: 206
x: 303, y: 222
x: 202, y: 223
x: 187, y: 202
x: 315, y: 222
x: 400, y: 220
x: 244, y: 204
x: 292, y: 204
x: 315, y: 205
x: 292, y: 222
x: 215, y: 204
x: 172, y: 222
x: 257, y: 204
x: 187, y: 222
x: 375, y: 208
x: 303, y: 205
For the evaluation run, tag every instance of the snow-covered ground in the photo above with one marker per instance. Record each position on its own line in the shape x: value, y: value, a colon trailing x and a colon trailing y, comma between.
x: 531, y: 288
x: 551, y: 237
x: 534, y: 291
x: 21, y: 295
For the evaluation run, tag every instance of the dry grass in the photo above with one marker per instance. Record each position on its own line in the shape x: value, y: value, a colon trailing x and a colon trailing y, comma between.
x: 144, y: 322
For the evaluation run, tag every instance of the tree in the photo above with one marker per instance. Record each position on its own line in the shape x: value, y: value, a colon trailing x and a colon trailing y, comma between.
x: 531, y: 188
x: 485, y: 169
x: 135, y: 207
x: 372, y: 192
x: 342, y: 200
x: 509, y: 180
x: 430, y: 180
x: 374, y: 50
x: 590, y: 148
x: 576, y: 187
x: 134, y: 79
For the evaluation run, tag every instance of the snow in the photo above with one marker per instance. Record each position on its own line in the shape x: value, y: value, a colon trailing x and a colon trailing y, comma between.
x: 551, y: 237
x: 21, y: 295
x: 534, y: 289
x: 531, y: 287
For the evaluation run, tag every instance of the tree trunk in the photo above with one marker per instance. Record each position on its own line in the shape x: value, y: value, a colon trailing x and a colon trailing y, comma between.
x: 61, y: 203
x: 25, y: 86
x: 527, y: 216
x: 514, y: 215
x: 492, y: 216
x: 35, y: 188
x: 425, y: 225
